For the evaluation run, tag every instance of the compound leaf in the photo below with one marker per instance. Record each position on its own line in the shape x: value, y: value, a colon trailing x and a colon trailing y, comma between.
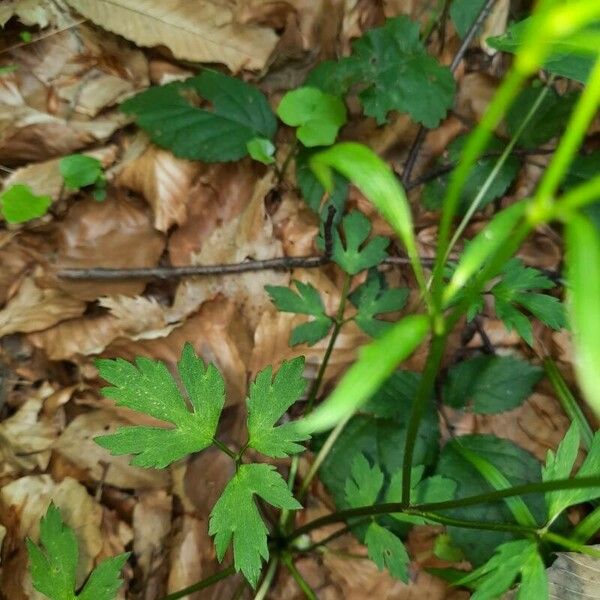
x: 19, y: 204
x: 317, y: 115
x: 147, y: 387
x: 356, y: 255
x: 372, y: 298
x: 53, y: 564
x: 173, y: 118
x: 235, y: 516
x: 268, y: 400
x: 490, y: 384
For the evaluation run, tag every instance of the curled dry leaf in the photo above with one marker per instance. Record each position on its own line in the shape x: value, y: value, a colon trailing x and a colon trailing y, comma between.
x: 23, y: 503
x: 151, y: 528
x: 77, y: 445
x: 34, y: 308
x: 201, y: 31
x: 115, y: 233
x: 164, y: 181
x: 248, y: 236
x: 574, y: 575
x: 33, y: 12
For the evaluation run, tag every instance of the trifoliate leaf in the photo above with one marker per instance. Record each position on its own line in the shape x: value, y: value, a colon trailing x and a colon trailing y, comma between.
x: 435, y: 190
x: 559, y: 466
x: 355, y: 255
x: 490, y: 384
x: 268, y: 400
x: 261, y: 149
x: 564, y: 59
x: 317, y: 115
x: 19, y: 204
x: 147, y: 387
x: 394, y: 71
x: 235, y: 516
x: 548, y: 121
x: 516, y: 289
x: 387, y: 551
x: 496, y: 576
x: 306, y: 302
x: 173, y: 116
x: 79, y: 170
x: 53, y: 564
x: 372, y: 298
x: 463, y: 14
x: 516, y: 464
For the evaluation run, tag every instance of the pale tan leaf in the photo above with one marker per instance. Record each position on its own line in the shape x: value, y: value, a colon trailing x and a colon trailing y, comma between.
x: 200, y: 31
x: 164, y: 181
x: 574, y: 575
x: 30, y: 12
x: 33, y: 308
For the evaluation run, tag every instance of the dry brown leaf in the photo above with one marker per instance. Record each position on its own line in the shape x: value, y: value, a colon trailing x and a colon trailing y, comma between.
x: 151, y: 527
x: 33, y: 308
x: 217, y: 332
x: 249, y: 236
x: 77, y: 445
x: 574, y: 575
x: 200, y: 31
x: 164, y: 181
x: 116, y: 233
x: 33, y: 12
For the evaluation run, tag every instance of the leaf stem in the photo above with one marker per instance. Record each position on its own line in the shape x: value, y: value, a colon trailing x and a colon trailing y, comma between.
x: 267, y: 582
x: 201, y: 585
x: 221, y: 446
x: 559, y: 540
x: 302, y: 583
x: 587, y: 527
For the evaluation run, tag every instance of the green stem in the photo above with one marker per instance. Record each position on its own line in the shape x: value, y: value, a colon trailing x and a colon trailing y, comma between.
x: 267, y: 582
x: 221, y: 446
x: 201, y: 585
x: 578, y: 197
x: 568, y: 402
x: 587, y: 527
x: 339, y: 322
x: 302, y: 583
x: 570, y: 544
x: 496, y: 170
x: 424, y: 393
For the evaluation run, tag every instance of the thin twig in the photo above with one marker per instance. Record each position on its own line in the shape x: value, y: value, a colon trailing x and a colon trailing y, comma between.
x: 420, y: 138
x: 277, y: 264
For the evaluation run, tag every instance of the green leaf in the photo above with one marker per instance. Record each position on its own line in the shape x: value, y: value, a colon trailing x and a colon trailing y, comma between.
x: 268, y: 400
x: 376, y: 181
x: 444, y: 549
x: 261, y: 149
x: 317, y: 115
x: 394, y: 72
x: 313, y: 192
x: 379, y: 433
x: 357, y: 254
x: 559, y: 466
x: 564, y: 60
x: 173, y: 118
x: 377, y: 361
x: 53, y: 564
x: 483, y: 246
x: 435, y: 190
x: 387, y: 551
x: 372, y: 299
x: 549, y: 120
x: 534, y: 580
x: 79, y: 171
x: 19, y: 204
x: 148, y: 388
x: 463, y: 14
x: 502, y: 570
x: 235, y: 516
x: 490, y: 384
x: 364, y: 484
x: 306, y: 302
x: 517, y: 465
x: 583, y: 251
